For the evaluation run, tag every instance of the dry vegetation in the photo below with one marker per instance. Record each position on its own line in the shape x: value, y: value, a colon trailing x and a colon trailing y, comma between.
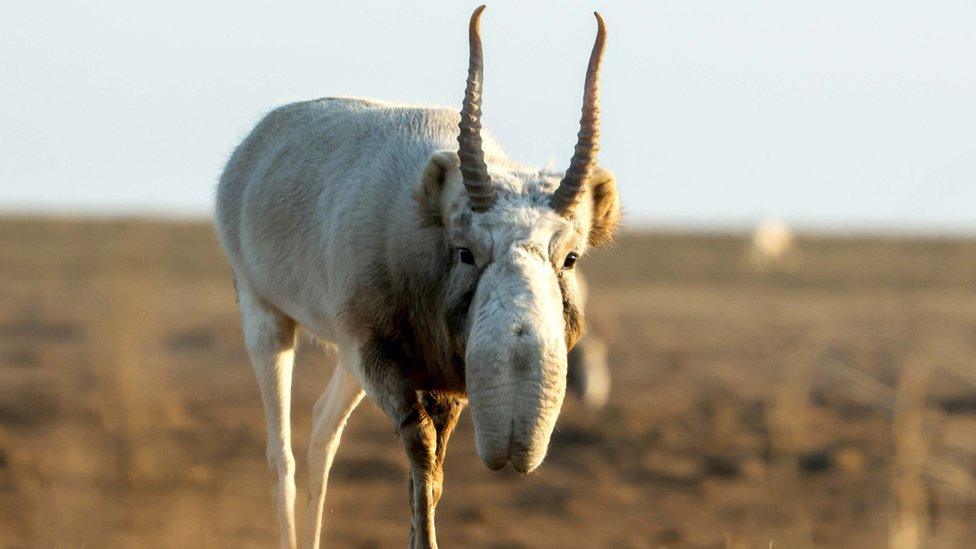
x: 828, y: 402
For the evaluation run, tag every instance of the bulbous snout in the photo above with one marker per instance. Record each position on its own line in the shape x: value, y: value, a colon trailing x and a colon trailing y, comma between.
x: 515, y: 362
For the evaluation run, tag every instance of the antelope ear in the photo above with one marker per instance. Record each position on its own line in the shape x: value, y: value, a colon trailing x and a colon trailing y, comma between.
x: 606, y: 206
x: 428, y: 192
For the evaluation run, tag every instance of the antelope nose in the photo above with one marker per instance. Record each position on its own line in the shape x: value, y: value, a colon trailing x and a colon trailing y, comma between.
x: 496, y: 458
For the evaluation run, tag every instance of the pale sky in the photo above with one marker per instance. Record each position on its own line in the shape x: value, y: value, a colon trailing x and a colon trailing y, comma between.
x: 827, y: 114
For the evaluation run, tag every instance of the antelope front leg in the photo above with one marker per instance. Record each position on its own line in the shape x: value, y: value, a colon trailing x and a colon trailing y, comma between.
x: 444, y: 411
x: 420, y: 441
x: 383, y: 373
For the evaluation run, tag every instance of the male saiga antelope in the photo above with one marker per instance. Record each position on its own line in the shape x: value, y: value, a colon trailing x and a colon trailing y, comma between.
x: 441, y: 269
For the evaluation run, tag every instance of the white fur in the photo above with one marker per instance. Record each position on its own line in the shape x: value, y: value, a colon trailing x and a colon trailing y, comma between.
x: 330, y: 414
x: 320, y: 197
x: 270, y: 340
x: 514, y: 405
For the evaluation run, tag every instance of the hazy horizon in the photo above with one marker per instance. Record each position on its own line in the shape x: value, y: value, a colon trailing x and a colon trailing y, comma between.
x: 828, y: 116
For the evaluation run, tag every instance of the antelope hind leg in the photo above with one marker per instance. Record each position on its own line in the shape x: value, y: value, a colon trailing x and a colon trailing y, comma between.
x: 329, y: 419
x: 270, y: 339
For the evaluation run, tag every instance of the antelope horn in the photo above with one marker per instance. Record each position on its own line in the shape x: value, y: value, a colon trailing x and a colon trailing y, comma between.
x: 570, y: 190
x: 473, y: 167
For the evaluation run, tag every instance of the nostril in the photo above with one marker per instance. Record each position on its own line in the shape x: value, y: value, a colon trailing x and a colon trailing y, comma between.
x: 521, y: 458
x: 496, y: 465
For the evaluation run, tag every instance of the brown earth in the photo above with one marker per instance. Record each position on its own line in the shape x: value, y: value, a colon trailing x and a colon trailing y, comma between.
x: 829, y: 401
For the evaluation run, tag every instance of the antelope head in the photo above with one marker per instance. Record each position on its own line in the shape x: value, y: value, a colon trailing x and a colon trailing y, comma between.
x: 514, y: 235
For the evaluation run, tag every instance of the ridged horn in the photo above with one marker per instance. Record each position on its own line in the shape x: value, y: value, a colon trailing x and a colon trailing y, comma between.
x: 473, y: 167
x: 570, y: 190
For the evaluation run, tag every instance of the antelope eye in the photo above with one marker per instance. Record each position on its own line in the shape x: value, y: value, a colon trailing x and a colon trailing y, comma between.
x: 465, y: 255
x: 570, y: 260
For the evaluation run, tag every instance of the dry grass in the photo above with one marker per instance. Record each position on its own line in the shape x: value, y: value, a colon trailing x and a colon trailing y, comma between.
x: 831, y: 402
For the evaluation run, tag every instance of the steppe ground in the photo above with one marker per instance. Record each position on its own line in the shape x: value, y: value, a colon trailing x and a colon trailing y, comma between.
x: 829, y: 400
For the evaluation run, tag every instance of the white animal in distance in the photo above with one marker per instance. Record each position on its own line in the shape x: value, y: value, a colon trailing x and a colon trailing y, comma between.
x: 772, y: 242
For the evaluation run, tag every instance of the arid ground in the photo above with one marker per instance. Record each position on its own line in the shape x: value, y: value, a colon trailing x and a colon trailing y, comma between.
x: 829, y: 400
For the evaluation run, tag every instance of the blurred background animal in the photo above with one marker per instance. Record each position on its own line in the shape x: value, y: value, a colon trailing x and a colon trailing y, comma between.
x: 772, y: 244
x: 589, y: 377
